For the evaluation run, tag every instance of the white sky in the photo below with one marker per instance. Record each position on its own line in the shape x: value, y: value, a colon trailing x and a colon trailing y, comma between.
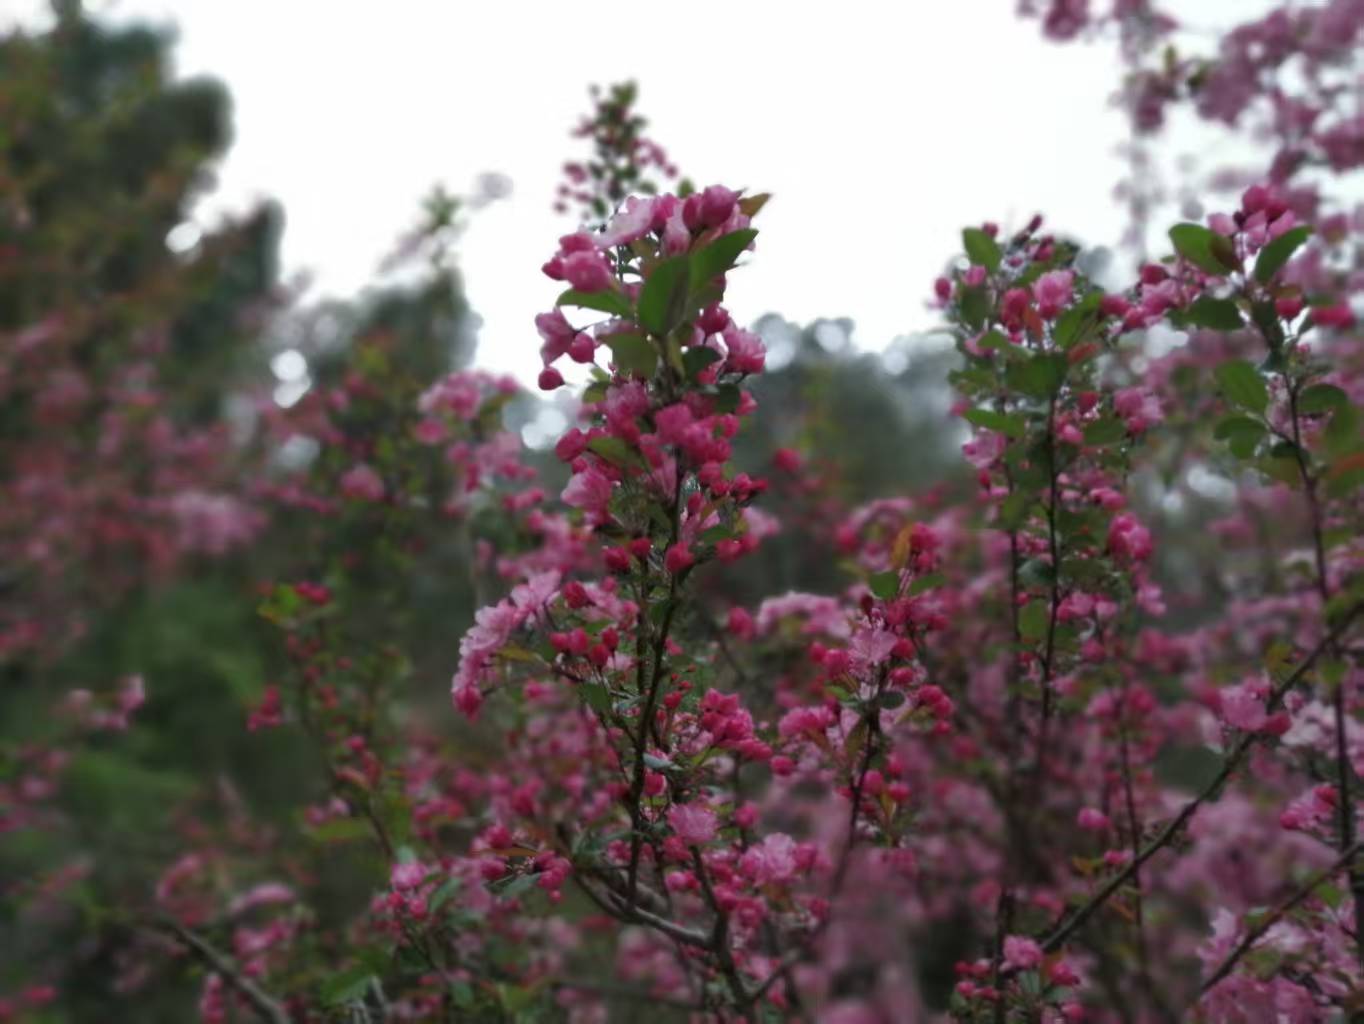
x: 881, y: 128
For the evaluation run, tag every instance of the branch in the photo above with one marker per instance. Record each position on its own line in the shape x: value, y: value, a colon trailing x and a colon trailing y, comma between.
x: 617, y: 907
x: 267, y: 1007
x: 1273, y: 917
x: 1232, y: 761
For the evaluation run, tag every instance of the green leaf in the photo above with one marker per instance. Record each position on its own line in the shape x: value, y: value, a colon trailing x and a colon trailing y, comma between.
x: 1108, y: 430
x: 1032, y: 620
x: 1241, y: 433
x: 1205, y: 249
x: 923, y: 583
x: 885, y: 585
x: 352, y: 983
x: 1039, y: 377
x: 612, y: 449
x: 890, y: 699
x: 517, y: 886
x: 612, y: 302
x: 1010, y: 426
x: 996, y: 341
x: 727, y: 398
x: 1185, y: 766
x: 633, y: 353
x: 597, y: 696
x: 720, y: 255
x: 1035, y: 572
x: 444, y: 893
x: 1320, y: 398
x: 1014, y: 510
x: 1278, y: 252
x: 1076, y: 323
x: 975, y: 306
x: 673, y: 350
x: 855, y: 740
x: 1345, y: 475
x: 1219, y: 314
x: 1342, y: 434
x: 663, y: 299
x: 1242, y: 385
x: 1330, y: 894
x: 697, y: 358
x: 981, y: 249
x: 338, y: 830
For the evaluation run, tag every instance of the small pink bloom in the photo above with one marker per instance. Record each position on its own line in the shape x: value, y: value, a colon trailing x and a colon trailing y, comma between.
x: 362, y: 483
x: 678, y: 558
x: 694, y: 824
x: 1091, y: 819
x: 1052, y: 291
x: 1021, y: 954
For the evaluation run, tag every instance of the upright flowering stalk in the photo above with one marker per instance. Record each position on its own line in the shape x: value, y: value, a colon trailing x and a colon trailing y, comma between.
x: 1272, y: 290
x: 1052, y: 446
x: 624, y: 159
x: 648, y: 475
x: 1055, y: 430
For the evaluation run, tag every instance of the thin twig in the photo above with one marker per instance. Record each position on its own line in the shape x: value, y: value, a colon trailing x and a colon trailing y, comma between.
x: 266, y: 1006
x: 1273, y: 917
x: 1167, y: 835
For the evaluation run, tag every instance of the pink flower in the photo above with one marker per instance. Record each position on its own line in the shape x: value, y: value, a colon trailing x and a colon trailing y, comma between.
x: 266, y: 892
x: 468, y: 699
x: 678, y: 558
x: 746, y: 352
x: 633, y: 221
x: 672, y: 422
x: 693, y: 824
x: 1243, y: 705
x: 1052, y: 291
x: 717, y: 205
x: 1091, y: 819
x: 571, y: 445
x: 269, y: 713
x: 1065, y: 19
x: 871, y: 647
x: 740, y: 623
x: 1138, y: 408
x: 580, y: 263
x: 806, y: 722
x: 1021, y: 954
x: 1128, y: 539
x: 557, y: 333
x: 589, y: 490
x: 1339, y: 316
x: 362, y: 483
x: 407, y: 875
x: 772, y: 860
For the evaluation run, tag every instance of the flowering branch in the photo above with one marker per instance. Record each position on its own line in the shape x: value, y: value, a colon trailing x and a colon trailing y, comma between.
x: 267, y: 1007
x: 1269, y: 920
x: 1230, y: 764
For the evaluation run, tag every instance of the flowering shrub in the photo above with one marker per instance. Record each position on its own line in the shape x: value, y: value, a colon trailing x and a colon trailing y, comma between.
x: 1080, y: 742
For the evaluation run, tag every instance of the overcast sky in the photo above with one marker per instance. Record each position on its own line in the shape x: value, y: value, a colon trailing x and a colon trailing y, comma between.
x: 880, y: 128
